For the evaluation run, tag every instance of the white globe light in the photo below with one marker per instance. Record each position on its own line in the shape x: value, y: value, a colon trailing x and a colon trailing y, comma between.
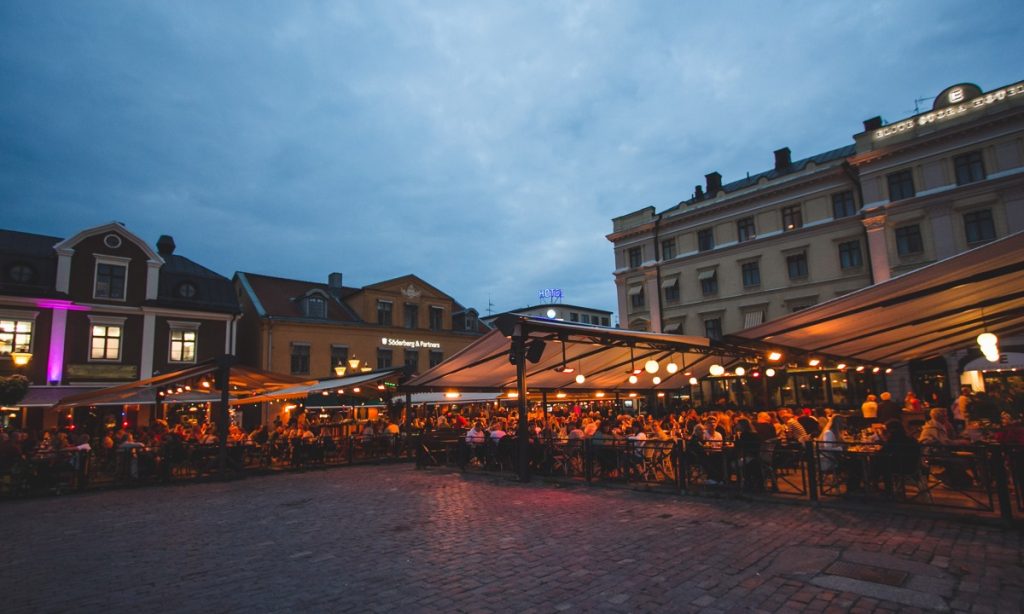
x: 987, y: 339
x: 651, y: 366
x: 632, y: 379
x: 552, y: 313
x: 671, y: 367
x: 991, y: 353
x: 580, y: 378
x: 693, y: 381
x: 717, y: 370
x: 656, y: 380
x: 740, y: 371
x: 769, y: 372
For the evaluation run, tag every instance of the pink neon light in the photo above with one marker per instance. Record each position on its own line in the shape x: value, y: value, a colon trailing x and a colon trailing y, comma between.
x: 60, y: 305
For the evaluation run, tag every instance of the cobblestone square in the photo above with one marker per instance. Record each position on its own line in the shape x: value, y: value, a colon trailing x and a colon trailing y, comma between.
x: 391, y: 538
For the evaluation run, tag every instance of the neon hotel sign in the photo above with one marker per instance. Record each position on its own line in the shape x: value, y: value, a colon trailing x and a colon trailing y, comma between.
x: 958, y: 106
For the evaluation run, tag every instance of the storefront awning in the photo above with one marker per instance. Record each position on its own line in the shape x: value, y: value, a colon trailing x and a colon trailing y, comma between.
x: 920, y: 314
x: 304, y: 390
x: 606, y: 357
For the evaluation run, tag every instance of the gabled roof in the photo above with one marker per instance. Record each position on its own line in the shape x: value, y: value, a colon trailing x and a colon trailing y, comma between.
x: 33, y: 250
x: 410, y: 278
x: 116, y: 227
x: 279, y: 297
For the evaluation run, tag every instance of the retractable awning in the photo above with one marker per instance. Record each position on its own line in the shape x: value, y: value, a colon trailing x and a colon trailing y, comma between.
x: 920, y: 314
x: 606, y: 357
x: 304, y: 390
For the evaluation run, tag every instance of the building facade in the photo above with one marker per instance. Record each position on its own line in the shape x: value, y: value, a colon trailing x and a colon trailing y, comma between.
x: 902, y: 195
x: 102, y: 308
x: 314, y: 329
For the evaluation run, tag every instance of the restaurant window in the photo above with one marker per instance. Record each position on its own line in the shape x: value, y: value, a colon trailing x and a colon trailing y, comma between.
x: 412, y: 315
x: 713, y: 328
x: 300, y: 358
x: 843, y: 204
x: 671, y: 287
x: 901, y: 184
x: 315, y: 307
x: 796, y: 265
x: 850, y: 255
x: 979, y: 226
x: 339, y: 356
x: 183, y: 343
x: 384, y: 359
x: 635, y: 257
x: 792, y: 217
x: 706, y: 239
x: 436, y: 318
x: 751, y: 274
x: 969, y: 167
x: 105, y: 341
x: 110, y: 280
x: 636, y: 297
x: 908, y: 240
x: 745, y: 229
x: 15, y: 336
x: 708, y: 282
x: 668, y: 249
x: 436, y: 357
x: 384, y: 313
x: 412, y: 360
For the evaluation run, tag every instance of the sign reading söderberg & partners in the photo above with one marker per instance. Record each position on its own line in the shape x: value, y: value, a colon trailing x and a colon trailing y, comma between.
x: 409, y: 343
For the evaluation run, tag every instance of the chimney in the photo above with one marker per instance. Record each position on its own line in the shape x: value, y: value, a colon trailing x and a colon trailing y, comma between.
x: 165, y: 245
x: 698, y: 193
x: 872, y: 124
x: 334, y: 284
x: 782, y: 159
x: 714, y: 180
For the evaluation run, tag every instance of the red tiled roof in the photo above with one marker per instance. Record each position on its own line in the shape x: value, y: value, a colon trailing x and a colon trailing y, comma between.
x: 279, y: 297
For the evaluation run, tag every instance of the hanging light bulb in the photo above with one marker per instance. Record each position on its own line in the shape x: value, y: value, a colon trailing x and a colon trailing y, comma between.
x: 985, y: 339
x: 671, y: 367
x: 716, y: 370
x: 814, y: 362
x: 633, y: 379
x: 651, y: 366
x: 991, y: 352
x: 656, y: 380
x: 769, y: 372
x: 841, y: 366
x: 580, y: 378
x: 773, y: 356
x: 693, y: 381
x: 740, y: 371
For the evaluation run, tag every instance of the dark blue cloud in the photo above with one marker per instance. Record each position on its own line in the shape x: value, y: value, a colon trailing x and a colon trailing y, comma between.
x: 484, y: 146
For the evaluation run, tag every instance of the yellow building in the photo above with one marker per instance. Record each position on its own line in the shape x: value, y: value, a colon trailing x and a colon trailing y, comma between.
x: 314, y: 329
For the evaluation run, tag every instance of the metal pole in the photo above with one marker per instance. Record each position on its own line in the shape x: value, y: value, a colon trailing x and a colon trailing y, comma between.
x: 223, y: 415
x: 519, y: 347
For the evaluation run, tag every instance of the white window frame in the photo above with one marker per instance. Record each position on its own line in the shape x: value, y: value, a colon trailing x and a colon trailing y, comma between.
x: 113, y: 261
x: 107, y: 321
x: 16, y: 317
x: 182, y: 327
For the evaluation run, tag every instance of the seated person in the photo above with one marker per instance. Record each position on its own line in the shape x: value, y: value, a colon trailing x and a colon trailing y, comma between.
x: 936, y: 434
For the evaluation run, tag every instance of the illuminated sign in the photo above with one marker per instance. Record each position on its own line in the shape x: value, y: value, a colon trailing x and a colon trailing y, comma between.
x: 550, y: 294
x: 409, y: 343
x: 957, y: 106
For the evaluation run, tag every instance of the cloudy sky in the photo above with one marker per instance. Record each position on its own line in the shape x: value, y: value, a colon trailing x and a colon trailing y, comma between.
x: 484, y: 146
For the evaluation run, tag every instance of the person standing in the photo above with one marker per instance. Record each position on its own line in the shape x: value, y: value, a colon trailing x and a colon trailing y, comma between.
x: 960, y: 408
x: 887, y: 409
x: 869, y: 408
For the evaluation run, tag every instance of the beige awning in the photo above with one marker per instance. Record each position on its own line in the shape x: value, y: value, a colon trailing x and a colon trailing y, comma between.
x: 601, y: 354
x: 920, y: 314
x: 670, y: 282
x: 634, y: 290
x: 673, y: 327
x: 706, y: 275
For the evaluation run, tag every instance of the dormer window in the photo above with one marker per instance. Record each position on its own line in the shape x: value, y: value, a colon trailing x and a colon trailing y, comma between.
x: 314, y: 307
x: 111, y: 278
x: 186, y: 289
x: 470, y: 321
x: 21, y: 273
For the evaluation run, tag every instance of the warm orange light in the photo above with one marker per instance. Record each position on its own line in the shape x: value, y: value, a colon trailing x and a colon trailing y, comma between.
x: 560, y: 395
x: 452, y: 395
x: 355, y: 390
x: 774, y: 356
x: 513, y: 394
x: 599, y: 395
x: 632, y: 394
x: 20, y: 359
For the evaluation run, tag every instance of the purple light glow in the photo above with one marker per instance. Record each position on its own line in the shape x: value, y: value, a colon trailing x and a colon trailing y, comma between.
x: 60, y: 305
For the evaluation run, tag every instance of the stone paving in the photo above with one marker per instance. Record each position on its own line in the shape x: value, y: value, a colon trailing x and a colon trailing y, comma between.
x: 392, y: 538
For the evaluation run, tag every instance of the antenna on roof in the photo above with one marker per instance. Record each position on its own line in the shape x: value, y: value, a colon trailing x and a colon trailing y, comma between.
x: 918, y: 101
x: 490, y: 305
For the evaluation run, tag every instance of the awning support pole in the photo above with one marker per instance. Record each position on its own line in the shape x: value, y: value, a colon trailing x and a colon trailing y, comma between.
x: 522, y: 432
x: 223, y: 416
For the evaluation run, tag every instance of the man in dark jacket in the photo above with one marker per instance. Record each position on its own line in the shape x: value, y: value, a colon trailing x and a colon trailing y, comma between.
x: 887, y: 409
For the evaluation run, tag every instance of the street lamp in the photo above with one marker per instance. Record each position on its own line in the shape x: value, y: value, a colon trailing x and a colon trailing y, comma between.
x: 21, y: 359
